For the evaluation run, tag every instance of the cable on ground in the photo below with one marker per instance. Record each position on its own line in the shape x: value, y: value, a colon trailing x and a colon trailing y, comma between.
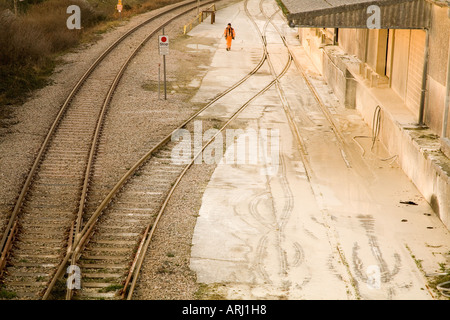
x: 376, y: 128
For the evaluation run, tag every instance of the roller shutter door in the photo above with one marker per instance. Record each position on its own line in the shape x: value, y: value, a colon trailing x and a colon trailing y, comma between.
x: 415, y: 69
x: 407, y: 66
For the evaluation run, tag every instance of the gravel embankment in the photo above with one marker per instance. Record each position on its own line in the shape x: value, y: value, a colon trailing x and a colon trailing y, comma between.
x: 129, y: 128
x: 23, y: 131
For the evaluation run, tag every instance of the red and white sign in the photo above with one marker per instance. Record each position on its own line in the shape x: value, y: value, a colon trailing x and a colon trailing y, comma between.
x: 163, y: 45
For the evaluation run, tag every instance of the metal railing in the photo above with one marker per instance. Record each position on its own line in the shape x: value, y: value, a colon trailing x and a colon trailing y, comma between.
x: 201, y: 16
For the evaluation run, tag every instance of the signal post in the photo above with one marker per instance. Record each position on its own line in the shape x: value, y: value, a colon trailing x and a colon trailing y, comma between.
x: 164, y: 50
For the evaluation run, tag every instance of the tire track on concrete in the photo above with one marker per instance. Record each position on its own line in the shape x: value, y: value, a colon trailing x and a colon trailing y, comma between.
x: 332, y: 233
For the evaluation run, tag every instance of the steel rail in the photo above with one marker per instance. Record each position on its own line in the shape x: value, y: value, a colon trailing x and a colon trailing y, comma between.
x: 86, y: 232
x: 106, y: 103
x: 77, y: 227
x: 222, y: 94
x: 158, y: 146
x: 295, y: 131
x: 88, y: 227
x: 313, y: 90
x: 84, y: 235
x: 11, y: 227
x: 292, y: 125
x: 325, y: 111
x: 148, y: 237
x: 146, y: 240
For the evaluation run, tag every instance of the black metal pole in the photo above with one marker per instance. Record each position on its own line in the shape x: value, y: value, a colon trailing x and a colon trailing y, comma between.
x: 164, y: 64
x: 159, y: 81
x: 165, y: 85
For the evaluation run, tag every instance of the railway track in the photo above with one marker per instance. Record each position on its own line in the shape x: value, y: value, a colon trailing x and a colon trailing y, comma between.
x: 332, y: 235
x: 49, y: 211
x: 108, y: 243
x: 146, y: 239
x: 112, y: 244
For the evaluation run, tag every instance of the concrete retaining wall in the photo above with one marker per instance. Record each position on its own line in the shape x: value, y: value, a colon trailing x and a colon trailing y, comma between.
x: 418, y: 152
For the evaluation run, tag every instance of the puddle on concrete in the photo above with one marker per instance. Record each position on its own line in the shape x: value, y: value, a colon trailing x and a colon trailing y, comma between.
x: 197, y: 46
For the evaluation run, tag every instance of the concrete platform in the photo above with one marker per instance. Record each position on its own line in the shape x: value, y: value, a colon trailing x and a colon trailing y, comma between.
x: 333, y: 227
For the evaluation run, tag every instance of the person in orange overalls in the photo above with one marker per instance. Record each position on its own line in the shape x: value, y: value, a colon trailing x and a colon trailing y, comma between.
x: 229, y: 35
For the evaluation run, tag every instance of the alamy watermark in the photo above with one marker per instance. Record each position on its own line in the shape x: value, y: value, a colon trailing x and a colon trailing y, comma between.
x: 374, y: 21
x: 233, y: 146
x: 373, y: 277
x: 73, y: 21
x: 74, y: 277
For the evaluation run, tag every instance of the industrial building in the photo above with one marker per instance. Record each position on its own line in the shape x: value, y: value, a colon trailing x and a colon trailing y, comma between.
x: 395, y: 55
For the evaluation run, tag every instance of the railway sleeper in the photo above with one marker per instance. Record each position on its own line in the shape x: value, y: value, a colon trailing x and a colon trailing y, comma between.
x: 92, y: 249
x: 34, y: 261
x: 115, y: 242
x: 130, y: 224
x: 43, y: 184
x: 88, y: 257
x: 119, y: 224
x: 119, y: 207
x: 57, y: 175
x: 114, y: 236
x: 44, y: 194
x: 41, y: 230
x: 93, y: 294
x: 134, y: 215
x: 60, y: 169
x: 45, y: 266
x: 81, y: 128
x: 25, y: 293
x: 101, y: 275
x: 159, y: 177
x: 25, y: 252
x: 51, y: 211
x: 139, y: 200
x: 14, y: 272
x: 32, y: 240
x: 56, y: 226
x: 102, y: 266
x: 106, y: 243
x: 90, y: 284
x: 22, y: 256
x: 12, y: 283
x: 30, y: 218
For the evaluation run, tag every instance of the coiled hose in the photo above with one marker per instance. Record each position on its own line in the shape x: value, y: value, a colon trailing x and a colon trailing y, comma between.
x: 376, y: 127
x: 444, y: 288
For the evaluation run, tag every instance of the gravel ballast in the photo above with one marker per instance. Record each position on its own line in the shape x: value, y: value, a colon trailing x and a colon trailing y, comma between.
x: 166, y: 273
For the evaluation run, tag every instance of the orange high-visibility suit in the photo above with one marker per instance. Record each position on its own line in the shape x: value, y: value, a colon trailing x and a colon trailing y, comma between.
x: 229, y: 36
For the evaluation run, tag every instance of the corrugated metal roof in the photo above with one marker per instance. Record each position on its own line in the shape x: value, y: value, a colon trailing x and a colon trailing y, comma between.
x: 394, y: 14
x: 441, y: 3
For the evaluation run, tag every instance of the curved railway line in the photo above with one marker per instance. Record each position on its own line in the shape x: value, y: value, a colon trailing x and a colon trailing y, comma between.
x: 138, y: 199
x: 48, y: 213
x: 107, y: 243
x: 155, y: 172
x: 301, y: 145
